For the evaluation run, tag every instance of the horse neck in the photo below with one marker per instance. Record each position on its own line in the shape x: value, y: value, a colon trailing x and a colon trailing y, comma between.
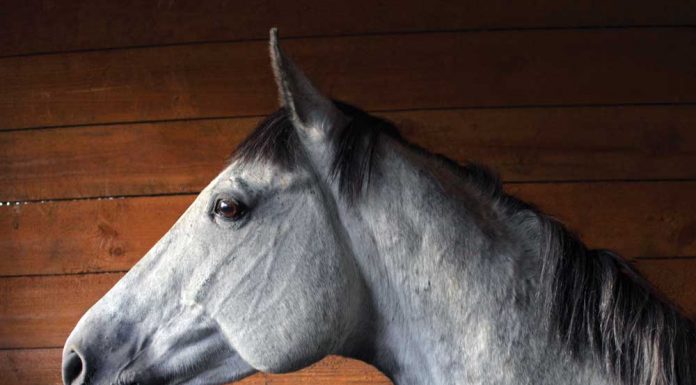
x: 447, y: 278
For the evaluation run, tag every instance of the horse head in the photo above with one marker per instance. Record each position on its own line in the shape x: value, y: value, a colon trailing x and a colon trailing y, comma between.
x: 256, y: 274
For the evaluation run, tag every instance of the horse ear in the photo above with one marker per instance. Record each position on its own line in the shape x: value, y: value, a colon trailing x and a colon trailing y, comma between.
x: 311, y: 112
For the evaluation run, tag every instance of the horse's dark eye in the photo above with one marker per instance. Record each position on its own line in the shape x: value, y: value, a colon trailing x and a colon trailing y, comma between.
x: 229, y: 209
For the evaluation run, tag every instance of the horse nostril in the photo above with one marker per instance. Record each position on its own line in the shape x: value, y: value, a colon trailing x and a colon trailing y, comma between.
x: 73, y: 369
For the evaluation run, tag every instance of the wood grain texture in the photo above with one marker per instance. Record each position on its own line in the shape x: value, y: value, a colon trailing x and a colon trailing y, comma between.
x: 119, y: 160
x: 410, y: 71
x: 42, y: 367
x: 674, y: 278
x: 636, y: 219
x: 527, y: 144
x: 35, y: 367
x: 47, y: 26
x: 525, y: 87
x: 646, y: 219
x: 83, y: 236
x: 41, y: 311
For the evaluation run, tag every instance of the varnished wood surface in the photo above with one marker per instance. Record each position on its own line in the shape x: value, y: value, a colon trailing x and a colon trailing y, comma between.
x: 385, y: 72
x: 526, y: 144
x: 585, y: 108
x: 33, y: 26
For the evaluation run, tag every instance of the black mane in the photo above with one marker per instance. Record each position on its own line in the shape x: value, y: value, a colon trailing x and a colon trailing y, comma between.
x: 275, y: 140
x: 593, y: 300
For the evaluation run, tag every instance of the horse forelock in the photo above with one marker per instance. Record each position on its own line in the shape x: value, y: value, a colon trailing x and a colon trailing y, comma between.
x: 276, y: 141
x: 273, y: 141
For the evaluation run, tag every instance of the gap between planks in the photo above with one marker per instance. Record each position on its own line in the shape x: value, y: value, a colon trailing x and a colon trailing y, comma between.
x: 352, y: 35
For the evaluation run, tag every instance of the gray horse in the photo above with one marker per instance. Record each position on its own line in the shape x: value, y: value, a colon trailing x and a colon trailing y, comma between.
x: 328, y: 234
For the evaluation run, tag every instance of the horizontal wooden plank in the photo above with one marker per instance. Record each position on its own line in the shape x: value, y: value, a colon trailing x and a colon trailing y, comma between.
x: 135, y: 159
x: 41, y: 311
x: 83, y: 236
x: 42, y: 367
x: 35, y: 367
x: 675, y: 279
x: 36, y: 26
x: 635, y: 219
x: 385, y: 72
x: 526, y: 144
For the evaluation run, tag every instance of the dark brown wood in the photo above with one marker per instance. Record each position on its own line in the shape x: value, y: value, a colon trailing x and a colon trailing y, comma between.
x: 41, y: 311
x: 37, y: 26
x: 386, y: 72
x: 644, y: 219
x: 674, y: 278
x: 527, y: 144
x: 635, y: 219
x: 217, y: 66
x: 83, y: 236
x: 116, y: 160
x: 42, y: 367
x: 31, y: 367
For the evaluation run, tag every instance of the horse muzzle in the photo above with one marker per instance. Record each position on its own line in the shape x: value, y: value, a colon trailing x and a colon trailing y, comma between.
x: 186, y: 348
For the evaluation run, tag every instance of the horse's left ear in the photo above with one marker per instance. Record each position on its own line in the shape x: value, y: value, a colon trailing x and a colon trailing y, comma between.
x: 312, y: 113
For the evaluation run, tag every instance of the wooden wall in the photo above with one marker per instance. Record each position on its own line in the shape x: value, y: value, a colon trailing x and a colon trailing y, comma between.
x: 113, y: 114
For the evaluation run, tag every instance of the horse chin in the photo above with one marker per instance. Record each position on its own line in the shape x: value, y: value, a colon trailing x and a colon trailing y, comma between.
x: 216, y: 371
x: 205, y: 357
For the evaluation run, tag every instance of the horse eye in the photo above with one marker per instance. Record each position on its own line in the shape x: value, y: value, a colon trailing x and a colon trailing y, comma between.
x: 229, y: 209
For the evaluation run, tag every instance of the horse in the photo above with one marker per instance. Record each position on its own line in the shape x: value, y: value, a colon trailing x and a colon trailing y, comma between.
x: 327, y: 233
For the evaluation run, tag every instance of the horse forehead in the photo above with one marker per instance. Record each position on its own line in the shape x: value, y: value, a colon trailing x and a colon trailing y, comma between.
x: 263, y: 175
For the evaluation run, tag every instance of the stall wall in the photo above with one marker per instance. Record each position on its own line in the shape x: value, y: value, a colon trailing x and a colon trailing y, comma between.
x: 114, y: 114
